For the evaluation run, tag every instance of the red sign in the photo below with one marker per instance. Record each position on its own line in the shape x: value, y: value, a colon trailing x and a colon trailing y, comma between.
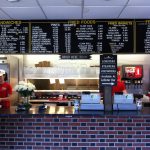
x: 134, y: 72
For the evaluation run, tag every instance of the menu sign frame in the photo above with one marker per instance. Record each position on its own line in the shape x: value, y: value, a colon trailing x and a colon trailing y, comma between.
x: 82, y: 37
x: 142, y: 36
x: 108, y: 70
x: 91, y: 36
x: 14, y: 37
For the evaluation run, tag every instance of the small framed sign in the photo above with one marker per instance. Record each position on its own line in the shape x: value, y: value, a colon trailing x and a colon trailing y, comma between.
x: 108, y: 70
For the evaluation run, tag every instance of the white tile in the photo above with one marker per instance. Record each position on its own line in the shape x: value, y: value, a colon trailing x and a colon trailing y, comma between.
x: 101, y: 12
x: 25, y: 13
x: 60, y: 2
x: 139, y: 3
x: 63, y: 12
x: 136, y: 12
x: 105, y: 2
x: 3, y: 15
x: 21, y: 3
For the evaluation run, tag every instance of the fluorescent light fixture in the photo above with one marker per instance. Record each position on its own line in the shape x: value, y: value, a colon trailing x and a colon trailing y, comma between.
x: 13, y: 0
x: 61, y: 81
x: 52, y: 81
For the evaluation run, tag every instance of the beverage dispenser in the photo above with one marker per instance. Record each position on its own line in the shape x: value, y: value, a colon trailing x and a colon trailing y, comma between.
x: 132, y: 76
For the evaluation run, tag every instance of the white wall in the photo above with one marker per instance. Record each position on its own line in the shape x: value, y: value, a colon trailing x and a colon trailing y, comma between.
x: 133, y: 59
x: 31, y: 60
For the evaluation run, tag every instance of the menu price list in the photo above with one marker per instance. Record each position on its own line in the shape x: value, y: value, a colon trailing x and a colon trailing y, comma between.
x: 13, y: 37
x: 82, y: 36
x: 62, y: 37
x: 46, y: 38
x: 118, y: 37
x: 108, y: 70
x: 66, y: 36
x: 143, y: 36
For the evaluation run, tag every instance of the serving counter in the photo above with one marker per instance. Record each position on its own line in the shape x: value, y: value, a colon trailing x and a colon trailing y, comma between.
x: 68, y: 111
x: 62, y: 128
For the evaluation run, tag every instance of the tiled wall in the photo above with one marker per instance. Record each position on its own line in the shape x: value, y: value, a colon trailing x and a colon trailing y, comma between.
x: 75, y: 133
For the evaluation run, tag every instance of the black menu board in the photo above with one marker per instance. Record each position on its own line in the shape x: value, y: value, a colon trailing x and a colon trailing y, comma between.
x: 46, y: 38
x: 143, y: 36
x: 14, y: 37
x: 118, y: 37
x: 75, y: 36
x: 108, y: 70
x: 82, y: 36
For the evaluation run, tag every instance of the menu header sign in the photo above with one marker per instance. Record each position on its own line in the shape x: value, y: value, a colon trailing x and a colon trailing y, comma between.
x: 74, y: 36
x: 14, y: 37
x: 75, y: 56
x: 143, y: 36
x: 108, y: 70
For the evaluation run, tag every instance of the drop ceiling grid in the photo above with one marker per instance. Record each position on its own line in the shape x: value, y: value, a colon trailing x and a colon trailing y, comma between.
x: 105, y: 2
x: 74, y: 9
x: 3, y: 16
x: 60, y: 2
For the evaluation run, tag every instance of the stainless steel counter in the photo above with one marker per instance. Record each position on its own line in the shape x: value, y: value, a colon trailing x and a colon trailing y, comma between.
x: 69, y: 110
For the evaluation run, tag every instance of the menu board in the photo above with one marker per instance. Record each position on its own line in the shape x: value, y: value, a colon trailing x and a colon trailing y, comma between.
x: 46, y: 38
x: 82, y: 36
x: 75, y: 36
x: 108, y: 70
x: 14, y: 37
x: 118, y: 37
x: 143, y: 36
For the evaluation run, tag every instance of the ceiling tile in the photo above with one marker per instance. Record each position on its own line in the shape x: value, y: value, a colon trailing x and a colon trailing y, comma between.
x: 101, y: 12
x: 63, y: 12
x: 105, y: 2
x: 21, y: 3
x: 135, y: 12
x: 25, y: 13
x: 139, y: 3
x: 60, y: 2
x: 3, y: 15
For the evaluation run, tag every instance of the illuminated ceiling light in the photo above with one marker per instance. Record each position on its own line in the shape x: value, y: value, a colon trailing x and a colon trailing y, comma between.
x: 52, y: 81
x: 61, y: 81
x: 13, y: 0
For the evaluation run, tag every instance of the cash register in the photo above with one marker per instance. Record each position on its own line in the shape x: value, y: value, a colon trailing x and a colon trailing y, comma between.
x: 124, y: 102
x: 91, y: 101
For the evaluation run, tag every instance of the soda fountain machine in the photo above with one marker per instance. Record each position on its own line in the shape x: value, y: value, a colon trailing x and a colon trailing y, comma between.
x: 132, y: 76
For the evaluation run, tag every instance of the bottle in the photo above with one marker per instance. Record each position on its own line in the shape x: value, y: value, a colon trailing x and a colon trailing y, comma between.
x: 76, y: 105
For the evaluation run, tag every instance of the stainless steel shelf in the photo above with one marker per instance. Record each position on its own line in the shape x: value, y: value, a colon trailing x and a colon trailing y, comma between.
x: 65, y: 90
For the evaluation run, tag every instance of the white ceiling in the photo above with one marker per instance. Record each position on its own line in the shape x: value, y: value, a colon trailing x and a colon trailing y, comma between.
x: 74, y: 9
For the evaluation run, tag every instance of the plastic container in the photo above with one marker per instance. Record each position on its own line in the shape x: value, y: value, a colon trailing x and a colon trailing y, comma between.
x: 76, y: 105
x: 139, y: 104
